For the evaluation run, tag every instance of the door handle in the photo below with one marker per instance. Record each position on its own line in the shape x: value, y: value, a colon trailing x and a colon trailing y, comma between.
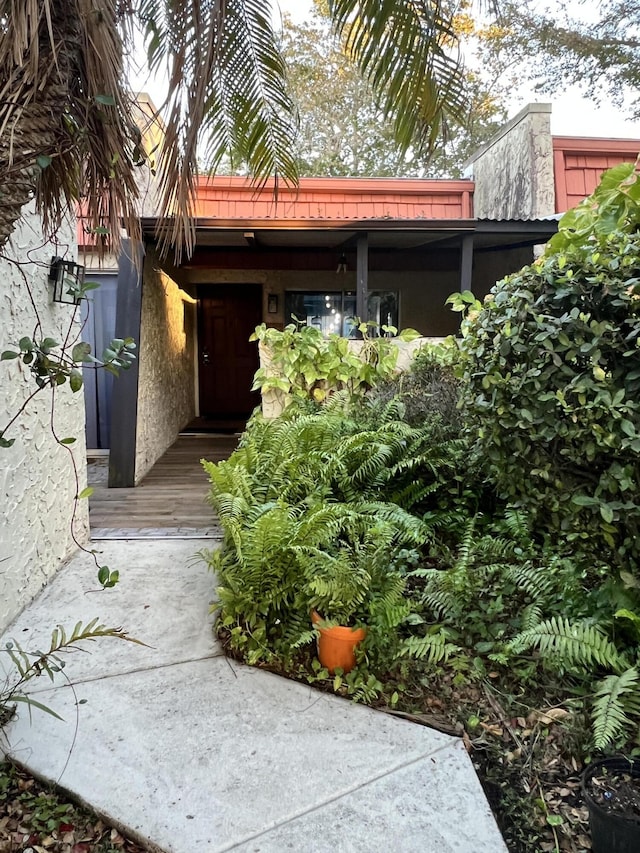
x: 206, y: 359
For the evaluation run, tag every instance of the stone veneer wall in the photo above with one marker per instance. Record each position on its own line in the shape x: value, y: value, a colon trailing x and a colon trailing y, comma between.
x: 37, y: 484
x: 166, y: 383
x: 513, y: 172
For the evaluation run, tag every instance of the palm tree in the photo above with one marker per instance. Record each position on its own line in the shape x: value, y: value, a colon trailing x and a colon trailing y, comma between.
x: 67, y: 128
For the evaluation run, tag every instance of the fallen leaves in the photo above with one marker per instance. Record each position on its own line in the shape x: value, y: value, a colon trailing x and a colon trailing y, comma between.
x: 548, y: 716
x: 37, y: 820
x: 523, y: 754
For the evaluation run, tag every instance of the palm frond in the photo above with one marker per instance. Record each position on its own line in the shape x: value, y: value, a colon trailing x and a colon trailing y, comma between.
x: 67, y: 126
x: 408, y: 52
x: 227, y: 83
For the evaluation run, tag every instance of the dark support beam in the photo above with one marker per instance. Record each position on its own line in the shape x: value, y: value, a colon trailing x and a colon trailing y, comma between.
x: 124, y: 401
x: 466, y: 262
x: 362, y: 277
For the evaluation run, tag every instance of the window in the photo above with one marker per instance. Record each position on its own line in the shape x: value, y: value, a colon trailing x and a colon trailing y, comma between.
x: 333, y: 311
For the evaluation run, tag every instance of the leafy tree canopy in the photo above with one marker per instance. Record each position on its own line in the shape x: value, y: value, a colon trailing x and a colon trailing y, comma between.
x: 558, y: 44
x: 343, y: 127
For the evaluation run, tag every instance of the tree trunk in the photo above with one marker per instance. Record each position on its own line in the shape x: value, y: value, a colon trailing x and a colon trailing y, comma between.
x: 29, y: 133
x: 34, y: 90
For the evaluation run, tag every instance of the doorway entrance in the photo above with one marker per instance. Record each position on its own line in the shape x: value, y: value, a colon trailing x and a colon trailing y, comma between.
x: 227, y: 362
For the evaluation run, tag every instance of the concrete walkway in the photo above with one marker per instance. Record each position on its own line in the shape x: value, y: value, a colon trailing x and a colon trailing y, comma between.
x: 191, y: 752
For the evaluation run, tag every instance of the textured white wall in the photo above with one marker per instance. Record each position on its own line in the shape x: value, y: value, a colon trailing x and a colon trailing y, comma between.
x: 166, y: 389
x: 37, y: 485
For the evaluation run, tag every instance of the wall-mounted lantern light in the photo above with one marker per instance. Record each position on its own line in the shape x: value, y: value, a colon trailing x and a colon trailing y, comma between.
x: 67, y: 279
x: 272, y: 303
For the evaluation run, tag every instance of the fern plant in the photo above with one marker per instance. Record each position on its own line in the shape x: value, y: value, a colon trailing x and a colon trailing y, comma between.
x: 616, y: 707
x: 307, y: 520
x: 450, y: 591
x: 583, y: 648
x: 570, y: 644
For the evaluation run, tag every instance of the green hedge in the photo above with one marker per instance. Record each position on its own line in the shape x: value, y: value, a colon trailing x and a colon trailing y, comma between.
x: 552, y: 376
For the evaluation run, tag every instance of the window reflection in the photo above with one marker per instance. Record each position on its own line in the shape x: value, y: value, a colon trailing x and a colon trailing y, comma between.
x: 333, y: 312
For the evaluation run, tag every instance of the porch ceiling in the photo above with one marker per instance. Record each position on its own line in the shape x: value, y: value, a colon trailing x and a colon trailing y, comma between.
x: 382, y: 234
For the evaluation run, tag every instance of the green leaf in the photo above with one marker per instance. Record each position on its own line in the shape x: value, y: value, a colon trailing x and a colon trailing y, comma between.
x: 69, y: 440
x: 7, y: 354
x: 630, y: 616
x: 627, y: 428
x: 103, y: 575
x: 80, y: 351
x: 106, y: 100
x: 606, y: 512
x: 48, y: 344
x: 32, y: 703
x: 85, y: 493
x: 584, y: 500
x: 409, y: 335
x: 555, y: 820
x: 43, y: 161
x: 6, y: 442
x: 629, y: 580
x: 75, y: 380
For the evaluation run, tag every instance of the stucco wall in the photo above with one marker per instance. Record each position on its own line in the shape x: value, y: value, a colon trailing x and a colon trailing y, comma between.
x: 166, y: 390
x: 513, y: 172
x: 37, y: 485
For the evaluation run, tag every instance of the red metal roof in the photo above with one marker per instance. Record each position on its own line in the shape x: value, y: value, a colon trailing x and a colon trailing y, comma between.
x: 336, y: 202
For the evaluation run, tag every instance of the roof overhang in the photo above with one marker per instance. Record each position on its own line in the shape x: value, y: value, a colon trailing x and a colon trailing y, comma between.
x: 387, y: 234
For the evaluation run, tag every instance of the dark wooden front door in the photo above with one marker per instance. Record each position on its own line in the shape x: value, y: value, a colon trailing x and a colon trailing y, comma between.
x: 227, y: 361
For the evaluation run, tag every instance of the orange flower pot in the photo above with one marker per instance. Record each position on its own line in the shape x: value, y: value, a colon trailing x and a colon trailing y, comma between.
x: 337, y: 645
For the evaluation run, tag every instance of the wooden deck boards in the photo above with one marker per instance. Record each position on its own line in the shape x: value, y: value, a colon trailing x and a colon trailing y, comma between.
x: 171, y: 498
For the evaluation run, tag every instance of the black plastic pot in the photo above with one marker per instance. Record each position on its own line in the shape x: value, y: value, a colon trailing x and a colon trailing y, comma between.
x: 610, y: 832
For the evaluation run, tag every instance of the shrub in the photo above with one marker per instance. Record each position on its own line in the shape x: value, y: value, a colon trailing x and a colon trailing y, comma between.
x: 552, y: 377
x: 429, y: 390
x: 305, y: 366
